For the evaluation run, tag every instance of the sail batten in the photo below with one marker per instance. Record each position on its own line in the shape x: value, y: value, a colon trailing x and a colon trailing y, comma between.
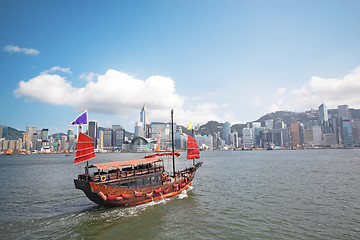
x: 85, y: 149
x: 193, y: 149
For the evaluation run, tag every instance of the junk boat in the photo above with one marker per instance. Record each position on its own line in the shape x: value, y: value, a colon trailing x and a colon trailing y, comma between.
x: 132, y: 182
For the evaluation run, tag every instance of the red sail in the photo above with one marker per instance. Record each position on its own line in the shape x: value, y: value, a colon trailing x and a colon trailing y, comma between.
x: 84, y: 149
x: 193, y: 149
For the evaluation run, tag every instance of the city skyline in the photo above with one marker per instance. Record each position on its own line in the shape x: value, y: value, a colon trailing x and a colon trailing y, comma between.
x: 315, y: 128
x: 232, y: 61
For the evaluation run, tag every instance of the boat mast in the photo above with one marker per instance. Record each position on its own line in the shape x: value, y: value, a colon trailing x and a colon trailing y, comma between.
x: 172, y: 139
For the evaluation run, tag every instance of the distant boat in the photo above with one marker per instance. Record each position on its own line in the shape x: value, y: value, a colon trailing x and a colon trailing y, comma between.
x: 127, y: 183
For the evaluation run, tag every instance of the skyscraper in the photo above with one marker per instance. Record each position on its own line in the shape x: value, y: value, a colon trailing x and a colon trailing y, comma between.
x: 118, y: 135
x: 343, y: 111
x: 30, y: 132
x: 323, y: 114
x: 295, y: 134
x: 346, y: 130
x: 247, y: 137
x: 226, y: 133
x: 92, y: 128
x: 107, y: 137
x: 144, y: 118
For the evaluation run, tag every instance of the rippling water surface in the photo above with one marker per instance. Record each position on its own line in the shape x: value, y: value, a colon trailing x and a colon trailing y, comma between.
x: 306, y: 194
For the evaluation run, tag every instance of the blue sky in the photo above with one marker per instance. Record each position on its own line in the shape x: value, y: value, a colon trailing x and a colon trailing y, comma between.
x: 209, y: 60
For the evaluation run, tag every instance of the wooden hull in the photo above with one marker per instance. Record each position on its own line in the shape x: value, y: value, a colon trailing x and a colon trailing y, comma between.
x: 106, y: 195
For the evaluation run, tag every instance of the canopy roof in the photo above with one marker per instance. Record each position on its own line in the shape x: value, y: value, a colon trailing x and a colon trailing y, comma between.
x: 177, y: 154
x: 127, y: 163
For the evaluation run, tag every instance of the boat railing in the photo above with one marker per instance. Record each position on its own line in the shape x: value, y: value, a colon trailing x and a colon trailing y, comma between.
x: 117, y: 174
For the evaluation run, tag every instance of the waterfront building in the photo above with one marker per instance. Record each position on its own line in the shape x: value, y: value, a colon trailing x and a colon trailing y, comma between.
x: 204, y: 142
x: 235, y: 139
x: 63, y: 142
x: 118, y: 136
x: 346, y: 130
x: 295, y: 134
x: 226, y: 133
x: 279, y: 137
x: 142, y: 144
x: 92, y: 131
x: 72, y: 142
x: 101, y: 140
x: 247, y: 138
x: 44, y: 134
x: 308, y: 137
x: 355, y: 125
x: 30, y: 131
x: 329, y: 139
x: 10, y: 144
x: 69, y: 132
x: 107, y: 138
x: 317, y: 136
x: 258, y: 138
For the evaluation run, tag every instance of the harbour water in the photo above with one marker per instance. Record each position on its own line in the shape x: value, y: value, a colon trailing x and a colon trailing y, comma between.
x: 300, y: 194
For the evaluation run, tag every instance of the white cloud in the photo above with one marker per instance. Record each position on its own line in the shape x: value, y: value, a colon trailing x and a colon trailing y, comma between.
x: 16, y: 49
x: 57, y: 68
x: 88, y: 76
x: 117, y: 93
x: 331, y: 91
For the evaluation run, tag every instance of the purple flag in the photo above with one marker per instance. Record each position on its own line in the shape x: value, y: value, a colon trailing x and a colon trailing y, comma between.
x: 81, y: 119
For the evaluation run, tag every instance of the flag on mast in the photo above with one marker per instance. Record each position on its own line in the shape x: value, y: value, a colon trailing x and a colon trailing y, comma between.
x: 190, y: 126
x: 81, y: 119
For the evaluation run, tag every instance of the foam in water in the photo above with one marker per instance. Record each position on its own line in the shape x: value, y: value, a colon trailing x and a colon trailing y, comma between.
x: 183, y: 194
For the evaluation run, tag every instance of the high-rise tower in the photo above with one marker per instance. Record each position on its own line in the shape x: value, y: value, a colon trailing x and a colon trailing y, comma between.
x: 92, y: 128
x: 144, y: 117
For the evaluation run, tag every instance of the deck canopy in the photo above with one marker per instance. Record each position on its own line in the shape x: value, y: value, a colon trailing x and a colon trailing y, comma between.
x: 128, y: 163
x: 177, y: 154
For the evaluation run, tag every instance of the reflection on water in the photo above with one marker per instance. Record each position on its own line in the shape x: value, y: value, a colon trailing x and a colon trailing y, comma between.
x: 309, y: 194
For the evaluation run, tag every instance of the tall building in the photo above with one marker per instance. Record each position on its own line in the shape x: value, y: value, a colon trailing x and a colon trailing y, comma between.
x: 226, y: 133
x: 346, y: 130
x: 101, y: 139
x: 247, y: 137
x: 258, y: 136
x: 92, y: 129
x: 118, y: 135
x: 107, y: 137
x: 44, y: 134
x: 343, y: 111
x: 30, y: 132
x: 295, y: 134
x: 144, y: 118
x: 323, y: 113
x: 279, y: 137
x: 69, y: 132
x: 139, y: 129
x: 308, y: 137
x: 235, y: 139
x: 317, y: 136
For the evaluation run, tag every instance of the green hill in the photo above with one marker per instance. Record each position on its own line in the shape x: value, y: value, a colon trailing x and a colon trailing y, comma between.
x: 9, y: 132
